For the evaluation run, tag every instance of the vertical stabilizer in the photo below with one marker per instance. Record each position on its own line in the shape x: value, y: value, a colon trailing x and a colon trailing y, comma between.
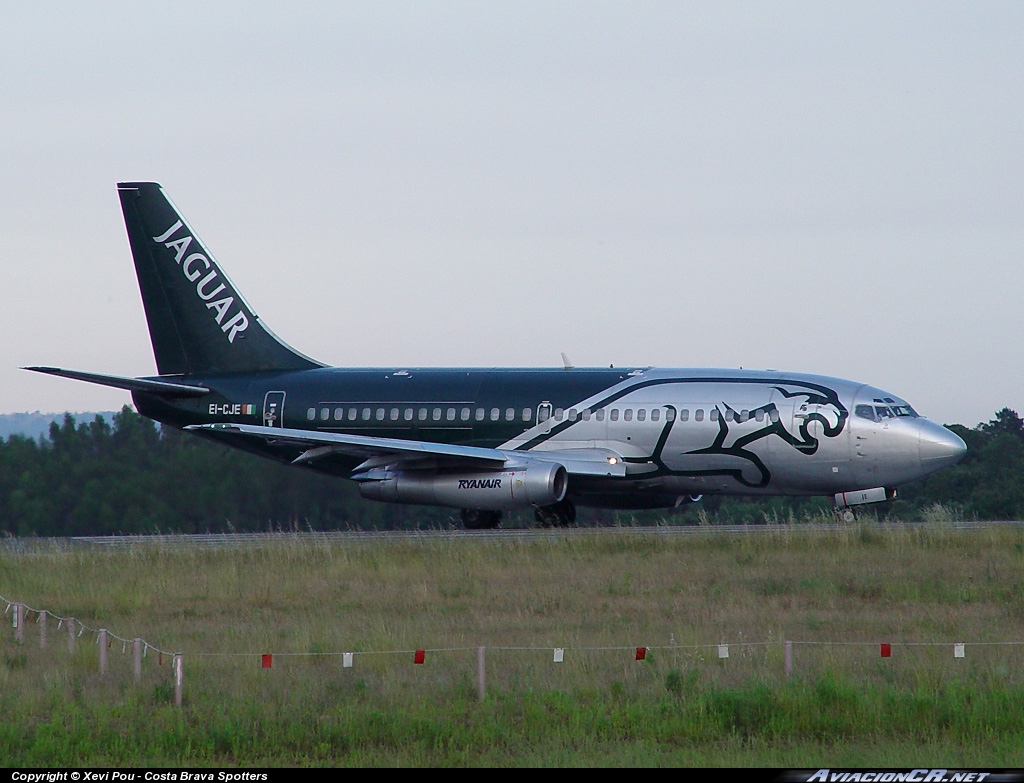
x: 198, y: 322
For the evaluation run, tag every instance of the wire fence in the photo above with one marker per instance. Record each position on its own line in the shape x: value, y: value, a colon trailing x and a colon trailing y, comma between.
x: 783, y: 656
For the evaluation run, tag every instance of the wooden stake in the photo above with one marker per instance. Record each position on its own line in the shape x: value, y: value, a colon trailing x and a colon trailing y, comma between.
x: 42, y: 629
x: 102, y: 641
x: 177, y: 666
x: 137, y: 658
x: 19, y: 623
x: 787, y: 657
x: 481, y: 681
x: 71, y: 635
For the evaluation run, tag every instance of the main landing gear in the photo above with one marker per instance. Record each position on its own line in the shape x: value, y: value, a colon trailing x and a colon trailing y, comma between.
x: 561, y: 514
x: 478, y: 519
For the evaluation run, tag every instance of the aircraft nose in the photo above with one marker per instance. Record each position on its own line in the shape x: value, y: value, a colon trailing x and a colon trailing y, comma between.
x: 938, y: 446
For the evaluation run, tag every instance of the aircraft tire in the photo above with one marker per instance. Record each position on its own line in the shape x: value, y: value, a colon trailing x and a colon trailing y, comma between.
x: 560, y: 514
x: 478, y: 519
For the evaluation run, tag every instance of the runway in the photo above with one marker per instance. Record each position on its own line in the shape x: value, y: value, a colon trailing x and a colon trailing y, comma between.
x: 241, y: 540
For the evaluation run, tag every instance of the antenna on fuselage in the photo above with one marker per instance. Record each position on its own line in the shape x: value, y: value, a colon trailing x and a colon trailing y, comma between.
x: 566, y: 364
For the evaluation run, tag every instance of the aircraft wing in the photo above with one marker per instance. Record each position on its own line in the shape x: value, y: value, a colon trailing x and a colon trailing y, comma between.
x: 378, y: 452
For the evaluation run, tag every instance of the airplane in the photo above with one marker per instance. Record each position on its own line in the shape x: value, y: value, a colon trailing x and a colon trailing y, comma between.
x: 487, y: 441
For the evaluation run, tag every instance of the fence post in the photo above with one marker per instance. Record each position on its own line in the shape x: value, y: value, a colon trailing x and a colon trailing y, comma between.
x: 481, y: 681
x: 71, y: 635
x: 19, y: 623
x: 176, y: 665
x: 787, y: 657
x: 42, y: 628
x: 137, y: 658
x: 103, y: 650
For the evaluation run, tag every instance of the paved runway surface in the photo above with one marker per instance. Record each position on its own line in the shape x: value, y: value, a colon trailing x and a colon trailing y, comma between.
x: 222, y: 540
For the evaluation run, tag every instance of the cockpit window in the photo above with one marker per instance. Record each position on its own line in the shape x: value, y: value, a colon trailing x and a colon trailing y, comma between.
x: 882, y: 412
x: 865, y: 412
x: 904, y: 410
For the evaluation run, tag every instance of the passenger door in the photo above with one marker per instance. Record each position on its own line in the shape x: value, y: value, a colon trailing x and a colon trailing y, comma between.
x: 273, y: 409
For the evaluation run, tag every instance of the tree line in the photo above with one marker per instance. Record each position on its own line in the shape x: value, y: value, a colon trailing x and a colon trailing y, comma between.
x: 127, y: 476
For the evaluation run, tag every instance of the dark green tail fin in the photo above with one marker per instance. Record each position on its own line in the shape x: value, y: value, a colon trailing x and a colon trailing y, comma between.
x: 198, y: 322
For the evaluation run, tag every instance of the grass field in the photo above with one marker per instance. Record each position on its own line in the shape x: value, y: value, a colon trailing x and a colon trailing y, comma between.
x: 836, y: 593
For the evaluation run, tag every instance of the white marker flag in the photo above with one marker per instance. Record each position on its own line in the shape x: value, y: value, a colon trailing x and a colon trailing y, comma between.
x: 559, y: 654
x: 346, y: 660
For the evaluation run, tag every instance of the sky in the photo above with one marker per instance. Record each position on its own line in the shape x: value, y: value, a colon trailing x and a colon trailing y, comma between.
x: 834, y: 188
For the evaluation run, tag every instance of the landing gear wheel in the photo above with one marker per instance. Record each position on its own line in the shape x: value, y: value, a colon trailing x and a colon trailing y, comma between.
x: 848, y: 515
x: 478, y: 519
x: 561, y: 514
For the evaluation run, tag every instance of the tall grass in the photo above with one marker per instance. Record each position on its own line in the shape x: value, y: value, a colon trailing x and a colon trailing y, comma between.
x: 836, y: 593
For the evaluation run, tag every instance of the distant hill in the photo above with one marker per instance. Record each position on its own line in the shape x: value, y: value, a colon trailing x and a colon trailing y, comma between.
x: 33, y: 425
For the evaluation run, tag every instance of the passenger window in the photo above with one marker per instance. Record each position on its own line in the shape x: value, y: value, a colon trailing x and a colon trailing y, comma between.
x: 325, y: 413
x: 527, y: 414
x: 451, y: 414
x: 572, y: 414
x: 338, y: 413
x: 586, y: 414
x: 655, y: 414
x: 670, y: 414
x: 729, y: 415
x: 422, y: 415
x: 774, y: 415
x: 641, y: 414
x: 495, y: 414
x: 480, y: 413
x: 408, y: 414
x: 311, y: 414
x: 684, y: 414
x: 714, y: 414
x: 759, y: 415
x: 394, y: 414
x: 698, y: 415
x: 366, y: 414
x: 510, y: 414
x: 465, y: 414
x: 614, y: 415
x: 558, y: 414
x: 627, y: 415
x: 380, y: 414
x: 436, y: 415
x: 352, y: 414
x: 744, y: 415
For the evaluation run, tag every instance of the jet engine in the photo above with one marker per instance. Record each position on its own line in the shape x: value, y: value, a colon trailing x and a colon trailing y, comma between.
x: 861, y: 496
x: 537, y: 484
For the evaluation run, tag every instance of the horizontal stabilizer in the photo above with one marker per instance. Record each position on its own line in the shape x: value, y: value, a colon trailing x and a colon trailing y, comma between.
x: 165, y: 388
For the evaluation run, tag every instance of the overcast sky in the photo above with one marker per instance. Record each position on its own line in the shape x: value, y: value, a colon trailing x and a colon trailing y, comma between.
x: 834, y: 188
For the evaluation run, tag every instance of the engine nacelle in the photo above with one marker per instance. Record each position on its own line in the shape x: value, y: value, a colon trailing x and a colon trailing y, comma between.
x: 861, y: 496
x: 537, y: 484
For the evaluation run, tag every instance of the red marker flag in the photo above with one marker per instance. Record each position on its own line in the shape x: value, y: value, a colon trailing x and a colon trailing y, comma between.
x: 268, y: 660
x: 641, y: 653
x: 886, y: 650
x: 420, y: 656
